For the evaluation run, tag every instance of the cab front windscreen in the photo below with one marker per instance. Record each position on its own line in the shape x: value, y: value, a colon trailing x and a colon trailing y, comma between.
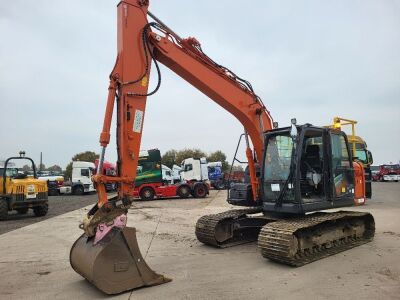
x: 278, y: 158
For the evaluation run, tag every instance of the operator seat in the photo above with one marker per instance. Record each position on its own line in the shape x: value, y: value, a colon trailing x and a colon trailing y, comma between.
x: 312, y: 158
x: 311, y: 162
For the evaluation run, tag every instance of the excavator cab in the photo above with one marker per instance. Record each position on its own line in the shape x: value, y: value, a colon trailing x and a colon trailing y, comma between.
x: 305, y: 168
x: 311, y: 170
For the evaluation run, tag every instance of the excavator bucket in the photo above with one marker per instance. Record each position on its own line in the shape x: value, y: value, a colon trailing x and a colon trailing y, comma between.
x: 115, y: 264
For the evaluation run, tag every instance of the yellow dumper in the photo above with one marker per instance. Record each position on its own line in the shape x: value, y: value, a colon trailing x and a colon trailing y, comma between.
x: 21, y: 192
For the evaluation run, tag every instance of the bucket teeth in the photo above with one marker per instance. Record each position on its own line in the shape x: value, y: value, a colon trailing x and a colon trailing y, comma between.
x: 115, y: 264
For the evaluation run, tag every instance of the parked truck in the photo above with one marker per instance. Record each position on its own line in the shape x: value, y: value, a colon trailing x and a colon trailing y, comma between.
x: 176, y: 173
x: 388, y: 172
x: 109, y: 169
x: 54, y: 182
x: 223, y: 180
x: 150, y: 184
x: 166, y: 174
x: 81, y: 181
x: 216, y: 175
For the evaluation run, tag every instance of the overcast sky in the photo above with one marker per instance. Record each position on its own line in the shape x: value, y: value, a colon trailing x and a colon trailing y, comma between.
x: 312, y: 60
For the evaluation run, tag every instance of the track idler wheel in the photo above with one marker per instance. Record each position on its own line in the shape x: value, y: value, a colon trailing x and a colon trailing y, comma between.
x: 114, y: 264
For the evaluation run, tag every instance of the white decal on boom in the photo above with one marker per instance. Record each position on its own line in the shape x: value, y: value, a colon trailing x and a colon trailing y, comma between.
x: 137, y: 123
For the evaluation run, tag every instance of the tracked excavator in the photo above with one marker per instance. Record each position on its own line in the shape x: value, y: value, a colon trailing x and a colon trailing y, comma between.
x: 295, y: 172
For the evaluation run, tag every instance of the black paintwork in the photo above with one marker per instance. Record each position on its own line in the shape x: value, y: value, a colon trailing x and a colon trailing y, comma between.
x: 239, y: 195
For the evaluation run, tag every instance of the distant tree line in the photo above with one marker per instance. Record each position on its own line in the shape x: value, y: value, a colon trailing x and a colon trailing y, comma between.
x: 175, y: 157
x: 54, y: 168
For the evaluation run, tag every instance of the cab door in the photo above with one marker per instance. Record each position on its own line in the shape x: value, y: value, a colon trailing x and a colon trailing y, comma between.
x: 342, y: 173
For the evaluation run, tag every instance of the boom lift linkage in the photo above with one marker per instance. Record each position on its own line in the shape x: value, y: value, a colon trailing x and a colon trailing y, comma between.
x: 107, y: 253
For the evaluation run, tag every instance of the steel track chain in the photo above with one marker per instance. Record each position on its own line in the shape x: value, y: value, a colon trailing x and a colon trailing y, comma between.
x: 276, y: 239
x: 207, y: 225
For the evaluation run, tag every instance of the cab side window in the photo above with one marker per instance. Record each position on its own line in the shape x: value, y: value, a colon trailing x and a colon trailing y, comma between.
x: 341, y: 165
x: 340, y: 154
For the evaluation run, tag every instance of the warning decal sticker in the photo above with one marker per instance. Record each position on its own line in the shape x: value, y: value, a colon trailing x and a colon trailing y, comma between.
x: 137, y: 123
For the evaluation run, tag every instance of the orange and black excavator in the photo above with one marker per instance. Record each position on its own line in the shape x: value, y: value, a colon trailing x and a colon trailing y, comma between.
x: 295, y: 171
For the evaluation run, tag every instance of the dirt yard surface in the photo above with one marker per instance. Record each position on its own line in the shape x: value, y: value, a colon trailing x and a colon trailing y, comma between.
x: 38, y: 256
x: 57, y: 205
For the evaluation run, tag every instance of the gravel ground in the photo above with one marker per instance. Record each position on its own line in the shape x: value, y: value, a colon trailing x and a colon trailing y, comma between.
x: 38, y: 256
x: 57, y: 205
x: 62, y: 204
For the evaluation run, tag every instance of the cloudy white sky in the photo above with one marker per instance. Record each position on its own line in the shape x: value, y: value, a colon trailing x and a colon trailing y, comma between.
x: 312, y: 60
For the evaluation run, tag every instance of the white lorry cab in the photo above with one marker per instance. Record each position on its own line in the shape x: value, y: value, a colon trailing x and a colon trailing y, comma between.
x: 194, y: 169
x: 81, y: 181
x: 167, y: 175
x: 176, y: 173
